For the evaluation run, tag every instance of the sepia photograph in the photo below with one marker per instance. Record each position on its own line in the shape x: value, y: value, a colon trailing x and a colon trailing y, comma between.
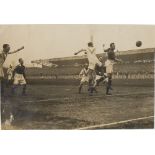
x: 77, y: 76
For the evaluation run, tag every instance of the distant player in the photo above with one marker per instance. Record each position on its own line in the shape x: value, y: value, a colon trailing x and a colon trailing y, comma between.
x: 84, y: 76
x: 111, y: 60
x: 19, y: 77
x: 9, y: 75
x: 93, y: 61
x: 3, y: 56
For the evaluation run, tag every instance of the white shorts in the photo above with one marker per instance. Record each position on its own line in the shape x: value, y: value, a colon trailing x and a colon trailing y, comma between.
x: 93, y: 65
x: 98, y: 77
x: 9, y: 77
x: 19, y: 79
x: 109, y: 66
x: 85, y: 79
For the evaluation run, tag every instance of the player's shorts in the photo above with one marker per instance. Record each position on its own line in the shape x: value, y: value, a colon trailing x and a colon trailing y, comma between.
x: 85, y: 79
x: 93, y: 65
x: 109, y: 66
x: 19, y: 79
x: 98, y: 77
x: 9, y: 77
x: 103, y: 78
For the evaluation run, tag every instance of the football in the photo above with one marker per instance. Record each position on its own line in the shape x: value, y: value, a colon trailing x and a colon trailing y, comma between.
x: 138, y: 43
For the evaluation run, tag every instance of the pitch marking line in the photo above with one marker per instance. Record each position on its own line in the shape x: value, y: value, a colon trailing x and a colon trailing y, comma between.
x: 137, y: 93
x: 66, y: 98
x: 113, y: 123
x: 46, y: 100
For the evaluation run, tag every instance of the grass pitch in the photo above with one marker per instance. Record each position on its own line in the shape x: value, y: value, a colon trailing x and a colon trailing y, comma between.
x: 61, y: 107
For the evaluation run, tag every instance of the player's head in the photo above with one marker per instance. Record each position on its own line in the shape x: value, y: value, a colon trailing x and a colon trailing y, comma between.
x: 112, y: 46
x: 90, y: 44
x: 86, y: 65
x: 6, y: 48
x: 10, y: 66
x: 21, y: 61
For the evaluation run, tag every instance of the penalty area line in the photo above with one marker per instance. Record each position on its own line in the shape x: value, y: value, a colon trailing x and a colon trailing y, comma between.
x: 46, y: 100
x: 113, y: 123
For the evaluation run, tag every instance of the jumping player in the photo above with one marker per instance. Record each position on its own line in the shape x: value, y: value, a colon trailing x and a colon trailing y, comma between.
x: 84, y: 76
x: 111, y: 60
x: 93, y: 61
x: 101, y: 75
x: 19, y: 77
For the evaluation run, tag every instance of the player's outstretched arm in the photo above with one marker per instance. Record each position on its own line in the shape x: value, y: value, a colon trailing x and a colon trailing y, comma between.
x: 104, y: 50
x: 16, y: 50
x: 82, y: 50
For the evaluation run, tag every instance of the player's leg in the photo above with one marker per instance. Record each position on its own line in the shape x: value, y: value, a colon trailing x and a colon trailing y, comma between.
x: 13, y: 89
x: 2, y: 85
x: 24, y: 89
x: 95, y: 84
x: 93, y: 87
x: 23, y: 83
x: 95, y: 81
x: 80, y: 87
x: 90, y: 74
x: 109, y: 71
x: 83, y: 80
x: 109, y: 84
x: 98, y: 79
x: 110, y: 81
x: 9, y: 81
x: 2, y: 80
x: 91, y: 81
x: 15, y: 84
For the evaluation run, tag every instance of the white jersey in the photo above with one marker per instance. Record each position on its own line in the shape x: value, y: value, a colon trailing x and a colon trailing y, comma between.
x: 92, y: 58
x: 91, y: 55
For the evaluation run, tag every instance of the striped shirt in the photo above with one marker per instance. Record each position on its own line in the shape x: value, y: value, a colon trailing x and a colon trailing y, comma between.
x: 84, y: 72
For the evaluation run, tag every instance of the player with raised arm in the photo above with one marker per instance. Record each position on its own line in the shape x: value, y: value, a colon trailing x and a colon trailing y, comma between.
x: 93, y: 61
x: 111, y: 60
x: 3, y: 56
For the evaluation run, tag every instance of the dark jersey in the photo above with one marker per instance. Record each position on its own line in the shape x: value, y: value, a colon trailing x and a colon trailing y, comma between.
x: 100, y: 70
x: 20, y: 69
x: 110, y: 53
